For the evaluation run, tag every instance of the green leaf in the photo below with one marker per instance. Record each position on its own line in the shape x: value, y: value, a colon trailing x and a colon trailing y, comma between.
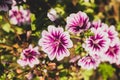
x: 3, y: 77
x: 118, y: 26
x: 6, y: 27
x: 33, y: 18
x: 89, y: 10
x: 63, y: 78
x: 19, y: 30
x: 88, y: 4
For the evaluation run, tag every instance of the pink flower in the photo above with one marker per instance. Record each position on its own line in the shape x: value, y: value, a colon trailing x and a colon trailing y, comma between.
x: 77, y: 23
x: 19, y: 16
x: 113, y: 53
x: 29, y: 57
x: 112, y: 33
x: 55, y: 42
x: 89, y: 62
x: 96, y: 24
x: 98, y: 43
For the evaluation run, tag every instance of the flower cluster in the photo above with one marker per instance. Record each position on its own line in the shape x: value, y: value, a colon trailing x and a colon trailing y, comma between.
x: 103, y: 45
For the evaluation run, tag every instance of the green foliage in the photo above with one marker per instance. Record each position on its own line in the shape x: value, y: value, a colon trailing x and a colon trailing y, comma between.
x: 6, y: 27
x: 3, y: 77
x: 78, y: 49
x: 86, y: 74
x: 32, y: 22
x: 106, y: 70
x: 118, y: 27
x: 63, y: 73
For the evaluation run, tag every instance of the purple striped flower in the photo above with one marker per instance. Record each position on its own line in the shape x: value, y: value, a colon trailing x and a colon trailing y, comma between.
x: 55, y: 42
x: 98, y: 43
x: 29, y: 57
x: 77, y: 23
x: 113, y: 53
x: 19, y: 16
x: 5, y: 5
x: 89, y: 62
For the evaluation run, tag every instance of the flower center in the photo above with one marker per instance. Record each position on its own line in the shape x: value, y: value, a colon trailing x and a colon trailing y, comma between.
x: 112, y: 49
x: 95, y: 42
x: 30, y: 54
x: 19, y: 15
x: 88, y: 60
x: 57, y: 42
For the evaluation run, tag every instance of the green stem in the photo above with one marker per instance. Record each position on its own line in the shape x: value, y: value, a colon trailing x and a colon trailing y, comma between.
x: 75, y: 37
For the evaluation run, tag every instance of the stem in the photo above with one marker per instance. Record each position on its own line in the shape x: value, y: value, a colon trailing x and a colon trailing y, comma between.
x: 75, y: 37
x: 6, y: 46
x: 11, y: 26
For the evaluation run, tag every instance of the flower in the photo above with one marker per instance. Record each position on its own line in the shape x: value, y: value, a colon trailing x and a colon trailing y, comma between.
x: 55, y: 42
x: 52, y: 14
x: 29, y: 57
x: 112, y: 33
x: 77, y: 23
x: 96, y: 24
x: 19, y: 16
x: 113, y: 53
x: 89, y: 62
x: 98, y: 43
x: 5, y: 5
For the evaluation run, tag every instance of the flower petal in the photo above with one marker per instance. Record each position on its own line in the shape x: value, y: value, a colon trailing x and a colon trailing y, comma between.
x: 62, y: 52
